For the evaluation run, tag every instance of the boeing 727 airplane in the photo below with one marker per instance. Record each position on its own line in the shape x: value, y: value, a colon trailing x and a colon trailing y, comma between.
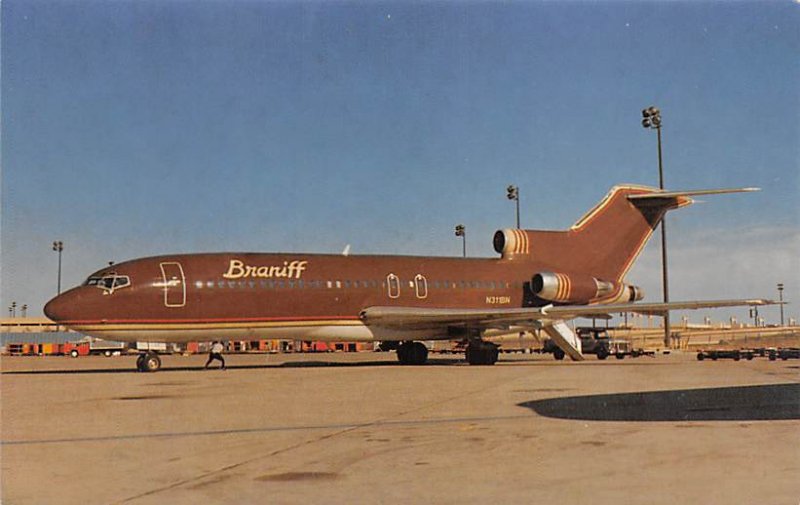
x: 540, y: 280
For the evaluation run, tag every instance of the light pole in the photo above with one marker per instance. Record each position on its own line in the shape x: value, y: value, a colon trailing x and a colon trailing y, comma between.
x: 651, y: 119
x: 780, y: 299
x: 512, y: 193
x: 754, y: 315
x: 24, y: 310
x: 58, y: 246
x: 461, y: 231
x: 13, y: 309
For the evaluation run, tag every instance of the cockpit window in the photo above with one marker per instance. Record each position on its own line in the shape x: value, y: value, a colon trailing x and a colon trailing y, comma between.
x: 109, y: 282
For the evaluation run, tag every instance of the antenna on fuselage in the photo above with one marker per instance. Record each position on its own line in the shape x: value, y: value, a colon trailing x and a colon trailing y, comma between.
x: 346, y: 251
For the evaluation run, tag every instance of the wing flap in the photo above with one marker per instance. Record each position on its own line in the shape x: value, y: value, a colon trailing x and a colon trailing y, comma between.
x: 437, y: 318
x: 419, y: 318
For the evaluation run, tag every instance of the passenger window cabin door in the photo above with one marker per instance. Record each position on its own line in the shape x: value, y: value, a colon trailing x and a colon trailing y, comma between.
x: 421, y: 286
x: 393, y: 286
x: 174, y: 284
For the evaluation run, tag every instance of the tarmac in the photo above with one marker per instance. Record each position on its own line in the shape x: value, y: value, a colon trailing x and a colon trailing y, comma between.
x: 359, y: 428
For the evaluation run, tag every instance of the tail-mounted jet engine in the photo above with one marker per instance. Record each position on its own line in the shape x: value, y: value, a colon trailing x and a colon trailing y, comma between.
x: 579, y: 289
x: 510, y: 242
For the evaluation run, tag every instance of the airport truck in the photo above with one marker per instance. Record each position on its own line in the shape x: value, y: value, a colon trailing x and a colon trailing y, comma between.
x: 95, y: 346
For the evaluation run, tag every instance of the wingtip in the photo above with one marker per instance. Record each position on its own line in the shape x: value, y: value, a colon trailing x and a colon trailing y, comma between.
x: 765, y: 301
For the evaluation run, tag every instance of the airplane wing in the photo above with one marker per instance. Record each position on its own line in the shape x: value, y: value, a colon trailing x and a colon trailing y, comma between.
x: 436, y: 318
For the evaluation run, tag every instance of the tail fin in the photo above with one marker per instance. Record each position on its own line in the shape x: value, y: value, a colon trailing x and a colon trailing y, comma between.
x: 607, y: 240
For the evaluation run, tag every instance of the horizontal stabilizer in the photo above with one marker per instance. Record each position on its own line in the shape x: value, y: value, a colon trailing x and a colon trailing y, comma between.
x: 692, y: 192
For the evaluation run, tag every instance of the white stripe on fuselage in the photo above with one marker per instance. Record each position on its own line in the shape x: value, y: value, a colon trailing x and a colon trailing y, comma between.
x: 348, y: 332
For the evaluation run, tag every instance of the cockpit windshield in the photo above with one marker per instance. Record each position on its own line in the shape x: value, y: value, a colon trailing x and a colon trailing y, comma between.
x: 109, y: 282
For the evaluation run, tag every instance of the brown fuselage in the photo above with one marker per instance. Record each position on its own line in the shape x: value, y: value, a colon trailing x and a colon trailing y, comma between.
x: 217, y: 300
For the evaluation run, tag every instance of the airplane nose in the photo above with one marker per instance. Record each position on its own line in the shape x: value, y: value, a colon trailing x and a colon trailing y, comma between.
x: 57, y: 309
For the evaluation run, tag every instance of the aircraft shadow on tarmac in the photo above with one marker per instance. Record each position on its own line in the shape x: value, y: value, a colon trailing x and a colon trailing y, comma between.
x: 746, y: 403
x: 291, y: 364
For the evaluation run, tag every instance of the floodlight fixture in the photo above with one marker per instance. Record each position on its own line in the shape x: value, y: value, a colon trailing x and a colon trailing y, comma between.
x: 512, y: 193
x: 58, y: 246
x: 461, y: 231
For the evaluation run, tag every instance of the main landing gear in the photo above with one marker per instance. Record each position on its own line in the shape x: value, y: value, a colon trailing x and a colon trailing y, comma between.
x: 148, y: 362
x: 412, y: 353
x: 480, y: 352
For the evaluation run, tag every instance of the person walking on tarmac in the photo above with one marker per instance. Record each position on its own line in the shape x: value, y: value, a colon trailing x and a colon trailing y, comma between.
x: 216, y: 353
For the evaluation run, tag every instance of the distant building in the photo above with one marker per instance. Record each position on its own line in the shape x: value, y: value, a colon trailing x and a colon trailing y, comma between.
x: 35, y: 330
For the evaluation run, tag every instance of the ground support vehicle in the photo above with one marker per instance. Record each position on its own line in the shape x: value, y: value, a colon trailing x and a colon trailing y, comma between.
x: 784, y: 353
x: 734, y: 354
x: 94, y: 346
x: 593, y: 341
x: 621, y: 348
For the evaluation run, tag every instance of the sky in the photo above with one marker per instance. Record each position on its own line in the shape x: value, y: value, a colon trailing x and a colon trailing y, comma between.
x: 132, y: 129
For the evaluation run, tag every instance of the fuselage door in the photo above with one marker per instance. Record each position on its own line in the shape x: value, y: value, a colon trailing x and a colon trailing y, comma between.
x: 421, y: 286
x: 393, y: 285
x: 174, y: 284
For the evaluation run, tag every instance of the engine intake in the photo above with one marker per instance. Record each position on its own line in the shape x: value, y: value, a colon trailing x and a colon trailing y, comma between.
x: 511, y: 241
x: 558, y: 287
x: 635, y: 293
x: 580, y: 289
